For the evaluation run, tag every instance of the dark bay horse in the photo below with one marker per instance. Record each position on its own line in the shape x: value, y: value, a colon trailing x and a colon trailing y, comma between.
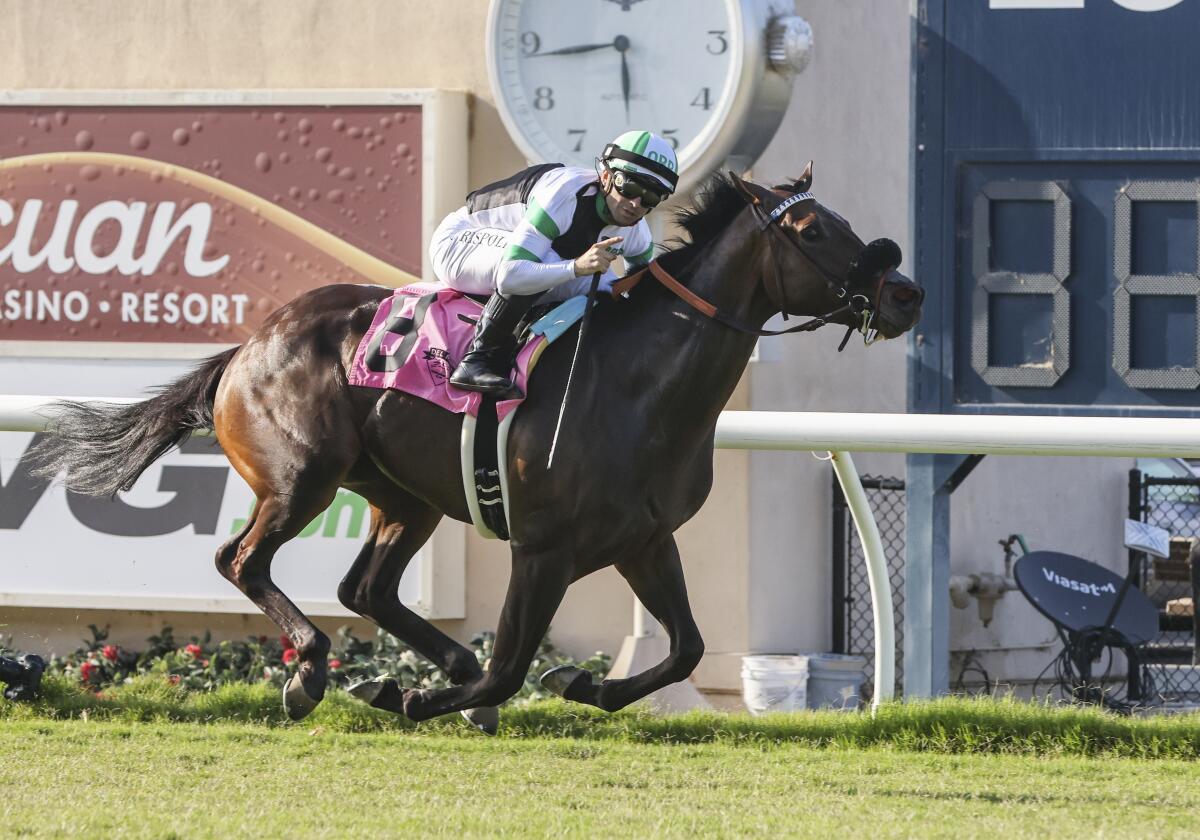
x: 634, y: 461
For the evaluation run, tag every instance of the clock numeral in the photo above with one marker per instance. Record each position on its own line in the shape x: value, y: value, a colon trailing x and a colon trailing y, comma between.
x: 721, y: 44
x: 668, y: 134
x: 544, y: 98
x: 703, y: 99
x: 579, y: 142
x: 530, y: 43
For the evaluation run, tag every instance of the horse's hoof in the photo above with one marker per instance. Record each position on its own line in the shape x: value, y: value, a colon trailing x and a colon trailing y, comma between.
x: 380, y: 693
x: 485, y: 718
x: 569, y: 682
x: 367, y: 690
x: 296, y: 701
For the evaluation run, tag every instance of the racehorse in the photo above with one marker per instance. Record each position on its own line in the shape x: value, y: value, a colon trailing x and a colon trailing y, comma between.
x: 635, y: 453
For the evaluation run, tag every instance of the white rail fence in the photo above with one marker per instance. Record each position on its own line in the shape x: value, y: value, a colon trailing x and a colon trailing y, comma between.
x: 840, y: 434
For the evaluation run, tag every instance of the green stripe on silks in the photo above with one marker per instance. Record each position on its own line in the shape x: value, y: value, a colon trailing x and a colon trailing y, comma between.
x: 639, y: 148
x: 602, y: 210
x: 540, y: 219
x: 516, y: 252
x: 644, y: 257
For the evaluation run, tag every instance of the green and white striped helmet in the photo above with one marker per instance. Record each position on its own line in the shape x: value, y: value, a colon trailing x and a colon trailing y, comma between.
x: 644, y: 153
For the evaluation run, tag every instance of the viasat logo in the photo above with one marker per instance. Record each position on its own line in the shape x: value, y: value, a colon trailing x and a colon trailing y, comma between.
x: 1078, y: 586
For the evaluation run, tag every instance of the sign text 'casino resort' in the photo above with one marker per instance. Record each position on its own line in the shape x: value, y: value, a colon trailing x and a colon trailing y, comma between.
x: 71, y: 246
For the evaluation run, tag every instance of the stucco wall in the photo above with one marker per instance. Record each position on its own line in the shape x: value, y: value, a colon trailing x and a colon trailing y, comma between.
x: 849, y: 114
x: 236, y: 44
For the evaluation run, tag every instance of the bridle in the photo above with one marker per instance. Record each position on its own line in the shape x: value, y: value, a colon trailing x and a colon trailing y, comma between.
x: 864, y: 309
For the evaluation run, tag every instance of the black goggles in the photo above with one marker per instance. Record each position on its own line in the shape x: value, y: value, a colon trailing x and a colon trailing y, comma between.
x: 630, y: 187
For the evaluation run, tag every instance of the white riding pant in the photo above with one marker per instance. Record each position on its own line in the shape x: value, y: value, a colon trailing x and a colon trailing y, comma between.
x: 465, y: 257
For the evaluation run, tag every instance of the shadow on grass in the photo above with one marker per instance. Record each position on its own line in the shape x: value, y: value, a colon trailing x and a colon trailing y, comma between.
x: 947, y: 725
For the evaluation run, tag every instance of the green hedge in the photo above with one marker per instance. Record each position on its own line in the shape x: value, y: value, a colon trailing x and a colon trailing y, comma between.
x: 203, y: 665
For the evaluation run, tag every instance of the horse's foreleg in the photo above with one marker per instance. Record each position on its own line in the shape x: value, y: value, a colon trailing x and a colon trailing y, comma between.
x: 371, y: 587
x: 535, y: 589
x: 656, y: 577
x: 245, y: 561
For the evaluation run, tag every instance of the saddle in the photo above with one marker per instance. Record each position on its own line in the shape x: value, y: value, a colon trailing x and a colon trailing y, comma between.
x: 417, y: 338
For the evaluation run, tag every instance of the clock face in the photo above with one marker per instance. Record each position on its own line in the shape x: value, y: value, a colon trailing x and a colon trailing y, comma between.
x: 574, y: 75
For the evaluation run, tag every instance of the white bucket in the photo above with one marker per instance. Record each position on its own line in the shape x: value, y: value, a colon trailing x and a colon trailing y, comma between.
x: 834, y: 680
x: 774, y: 683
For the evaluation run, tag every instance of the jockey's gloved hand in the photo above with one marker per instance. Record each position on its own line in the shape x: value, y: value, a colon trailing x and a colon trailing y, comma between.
x: 598, y: 257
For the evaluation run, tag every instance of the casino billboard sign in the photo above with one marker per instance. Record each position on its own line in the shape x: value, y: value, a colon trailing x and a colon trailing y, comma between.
x: 140, y: 231
x: 175, y: 219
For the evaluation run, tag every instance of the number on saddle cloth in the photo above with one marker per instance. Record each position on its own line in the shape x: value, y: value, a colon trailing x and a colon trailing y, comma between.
x: 396, y: 324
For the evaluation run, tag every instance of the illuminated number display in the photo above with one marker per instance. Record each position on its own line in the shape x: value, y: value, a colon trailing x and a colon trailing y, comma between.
x: 1039, y: 372
x: 1079, y: 284
x: 1160, y: 277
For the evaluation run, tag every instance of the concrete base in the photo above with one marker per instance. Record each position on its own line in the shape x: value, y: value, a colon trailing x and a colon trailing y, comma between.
x: 640, y: 653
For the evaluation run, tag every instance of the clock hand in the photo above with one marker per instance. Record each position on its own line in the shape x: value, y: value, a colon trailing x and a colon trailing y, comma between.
x: 625, y: 85
x: 625, y: 4
x: 622, y: 44
x: 583, y: 48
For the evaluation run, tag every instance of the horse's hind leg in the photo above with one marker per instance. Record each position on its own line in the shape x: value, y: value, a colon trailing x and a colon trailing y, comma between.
x: 371, y: 589
x: 656, y: 577
x: 245, y: 561
x: 536, y: 588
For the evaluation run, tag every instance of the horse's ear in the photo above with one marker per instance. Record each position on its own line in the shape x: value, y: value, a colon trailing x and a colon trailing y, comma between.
x: 804, y: 182
x: 743, y: 187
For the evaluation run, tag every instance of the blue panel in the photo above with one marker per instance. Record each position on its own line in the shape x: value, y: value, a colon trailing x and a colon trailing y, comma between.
x: 1164, y: 330
x: 1093, y: 100
x: 1164, y: 236
x: 1022, y: 237
x: 1097, y: 77
x: 1021, y: 329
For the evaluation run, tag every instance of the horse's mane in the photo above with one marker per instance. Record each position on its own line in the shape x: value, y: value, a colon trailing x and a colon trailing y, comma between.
x: 718, y: 202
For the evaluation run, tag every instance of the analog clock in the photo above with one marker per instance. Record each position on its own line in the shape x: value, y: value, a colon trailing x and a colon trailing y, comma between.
x: 711, y: 76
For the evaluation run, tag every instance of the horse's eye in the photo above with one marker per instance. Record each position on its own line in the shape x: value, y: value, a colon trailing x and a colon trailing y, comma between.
x: 812, y: 233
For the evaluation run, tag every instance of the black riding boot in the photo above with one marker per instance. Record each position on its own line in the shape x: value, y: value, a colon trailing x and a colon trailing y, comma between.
x: 489, y: 360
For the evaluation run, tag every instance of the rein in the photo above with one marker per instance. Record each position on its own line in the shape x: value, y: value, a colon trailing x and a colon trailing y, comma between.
x: 861, y: 306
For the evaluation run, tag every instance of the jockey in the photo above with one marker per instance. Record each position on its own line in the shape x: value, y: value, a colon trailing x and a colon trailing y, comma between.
x: 541, y: 235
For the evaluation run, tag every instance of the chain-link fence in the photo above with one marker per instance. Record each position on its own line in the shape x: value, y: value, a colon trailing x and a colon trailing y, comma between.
x: 1170, y: 671
x: 853, y: 622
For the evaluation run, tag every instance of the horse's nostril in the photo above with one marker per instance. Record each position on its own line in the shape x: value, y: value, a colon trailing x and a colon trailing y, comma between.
x: 907, y: 295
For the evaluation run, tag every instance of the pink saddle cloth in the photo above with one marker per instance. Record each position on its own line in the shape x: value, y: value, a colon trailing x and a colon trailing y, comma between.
x: 391, y: 355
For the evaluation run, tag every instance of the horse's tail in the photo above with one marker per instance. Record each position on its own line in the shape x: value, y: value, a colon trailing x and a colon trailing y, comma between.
x: 106, y: 446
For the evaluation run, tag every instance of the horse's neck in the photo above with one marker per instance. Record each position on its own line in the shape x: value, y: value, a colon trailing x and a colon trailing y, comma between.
x: 700, y: 359
x: 729, y: 275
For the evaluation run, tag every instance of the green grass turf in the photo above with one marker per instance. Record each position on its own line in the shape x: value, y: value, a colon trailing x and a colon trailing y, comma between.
x: 949, y: 725
x: 113, y: 779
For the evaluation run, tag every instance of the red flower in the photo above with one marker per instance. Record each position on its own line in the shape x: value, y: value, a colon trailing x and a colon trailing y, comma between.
x: 174, y: 679
x: 194, y: 650
x: 335, y: 664
x: 286, y: 642
x: 86, y: 670
x: 289, y: 655
x: 109, y: 652
x: 204, y: 662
